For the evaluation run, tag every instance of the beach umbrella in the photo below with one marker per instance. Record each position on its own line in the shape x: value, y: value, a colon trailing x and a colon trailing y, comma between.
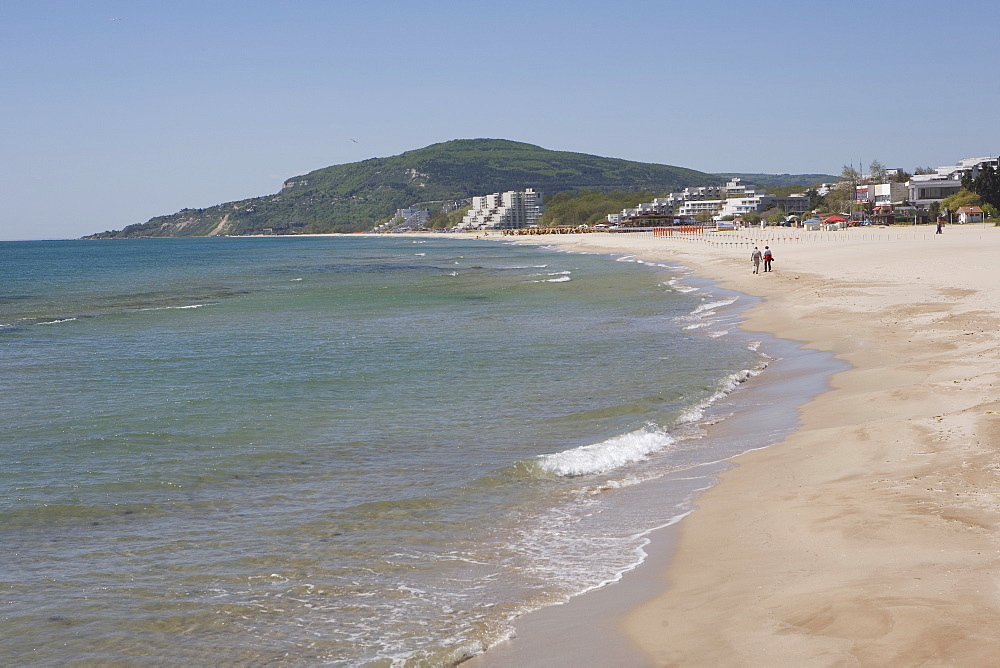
x: 834, y: 219
x: 812, y: 220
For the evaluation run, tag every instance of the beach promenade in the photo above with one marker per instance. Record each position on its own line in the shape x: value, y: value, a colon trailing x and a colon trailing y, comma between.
x: 870, y: 536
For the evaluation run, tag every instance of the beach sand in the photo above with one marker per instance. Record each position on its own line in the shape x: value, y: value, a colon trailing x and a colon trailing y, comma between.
x: 870, y: 535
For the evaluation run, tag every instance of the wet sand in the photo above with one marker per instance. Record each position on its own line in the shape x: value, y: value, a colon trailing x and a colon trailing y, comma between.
x: 869, y: 535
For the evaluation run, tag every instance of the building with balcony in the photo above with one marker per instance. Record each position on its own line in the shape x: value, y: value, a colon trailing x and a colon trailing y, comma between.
x: 507, y: 210
x: 925, y: 189
x: 733, y: 199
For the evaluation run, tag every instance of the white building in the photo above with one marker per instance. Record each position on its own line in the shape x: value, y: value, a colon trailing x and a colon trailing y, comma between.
x: 733, y: 199
x: 970, y: 214
x: 694, y: 207
x: 412, y: 217
x: 742, y: 199
x: 406, y: 220
x: 511, y: 209
x: 924, y: 189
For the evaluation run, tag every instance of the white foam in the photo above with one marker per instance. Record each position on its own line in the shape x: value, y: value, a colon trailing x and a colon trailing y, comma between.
x: 709, y: 307
x: 676, y: 284
x: 726, y: 386
x: 173, y: 308
x: 606, y: 455
x: 56, y: 322
x: 561, y: 279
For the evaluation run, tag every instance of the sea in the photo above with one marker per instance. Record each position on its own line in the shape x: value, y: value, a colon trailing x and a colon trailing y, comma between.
x: 350, y: 450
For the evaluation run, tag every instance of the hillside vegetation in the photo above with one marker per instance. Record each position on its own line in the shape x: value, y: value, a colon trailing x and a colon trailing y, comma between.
x: 774, y: 181
x: 589, y: 208
x: 355, y: 197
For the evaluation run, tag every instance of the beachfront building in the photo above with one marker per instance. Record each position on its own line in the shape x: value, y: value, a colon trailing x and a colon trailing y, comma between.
x: 970, y: 214
x: 742, y: 199
x: 925, y: 189
x: 406, y: 220
x: 733, y: 199
x: 413, y: 217
x: 693, y: 208
x: 507, y: 210
x: 881, y: 194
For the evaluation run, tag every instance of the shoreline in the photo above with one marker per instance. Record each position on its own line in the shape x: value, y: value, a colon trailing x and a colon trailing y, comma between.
x: 587, y: 629
x: 868, y: 535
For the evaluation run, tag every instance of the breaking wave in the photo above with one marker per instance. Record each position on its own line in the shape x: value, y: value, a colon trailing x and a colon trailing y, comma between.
x: 608, y: 455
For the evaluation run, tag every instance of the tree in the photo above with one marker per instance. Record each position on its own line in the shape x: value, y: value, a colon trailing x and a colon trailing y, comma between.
x: 840, y: 197
x: 877, y: 171
x: 986, y: 184
x: 704, y: 217
x: 851, y: 176
x: 962, y: 198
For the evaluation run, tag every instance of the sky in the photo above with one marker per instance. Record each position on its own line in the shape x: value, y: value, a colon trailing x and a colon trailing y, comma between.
x: 115, y: 111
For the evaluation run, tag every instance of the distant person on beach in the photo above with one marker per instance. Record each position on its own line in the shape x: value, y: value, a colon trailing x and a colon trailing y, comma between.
x: 768, y: 256
x: 755, y: 258
x: 939, y: 230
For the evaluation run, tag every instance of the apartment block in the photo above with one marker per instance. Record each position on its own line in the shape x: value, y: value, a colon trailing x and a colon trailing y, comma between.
x: 507, y: 210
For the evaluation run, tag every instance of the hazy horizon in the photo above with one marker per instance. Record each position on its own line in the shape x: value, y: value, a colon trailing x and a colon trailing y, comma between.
x: 121, y: 111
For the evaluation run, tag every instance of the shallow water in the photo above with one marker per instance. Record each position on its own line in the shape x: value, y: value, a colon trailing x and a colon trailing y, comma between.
x: 340, y: 450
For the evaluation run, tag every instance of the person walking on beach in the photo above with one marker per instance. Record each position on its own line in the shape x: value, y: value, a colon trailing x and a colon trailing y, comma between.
x: 755, y: 258
x: 938, y: 226
x: 768, y: 256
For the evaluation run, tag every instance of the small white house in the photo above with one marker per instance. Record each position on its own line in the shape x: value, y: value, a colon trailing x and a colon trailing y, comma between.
x: 970, y: 214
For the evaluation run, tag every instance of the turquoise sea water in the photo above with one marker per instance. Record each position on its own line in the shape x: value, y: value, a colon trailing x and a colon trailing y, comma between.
x: 345, y: 450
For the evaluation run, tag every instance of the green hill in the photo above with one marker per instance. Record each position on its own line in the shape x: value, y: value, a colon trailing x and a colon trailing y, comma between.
x: 357, y: 196
x: 782, y: 180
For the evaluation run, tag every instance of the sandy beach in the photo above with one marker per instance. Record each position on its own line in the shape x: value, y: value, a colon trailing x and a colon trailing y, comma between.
x: 869, y: 536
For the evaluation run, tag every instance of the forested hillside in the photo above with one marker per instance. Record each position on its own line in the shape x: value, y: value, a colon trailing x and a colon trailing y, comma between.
x: 355, y: 197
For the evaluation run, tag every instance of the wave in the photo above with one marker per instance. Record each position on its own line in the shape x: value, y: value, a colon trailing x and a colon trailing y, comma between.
x: 125, y: 311
x: 634, y: 259
x: 726, y: 387
x: 607, y: 455
x: 561, y: 277
x: 677, y: 285
x: 710, y: 307
x: 172, y: 308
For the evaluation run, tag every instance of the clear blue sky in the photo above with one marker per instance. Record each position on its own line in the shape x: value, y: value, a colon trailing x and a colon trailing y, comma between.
x: 114, y: 111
